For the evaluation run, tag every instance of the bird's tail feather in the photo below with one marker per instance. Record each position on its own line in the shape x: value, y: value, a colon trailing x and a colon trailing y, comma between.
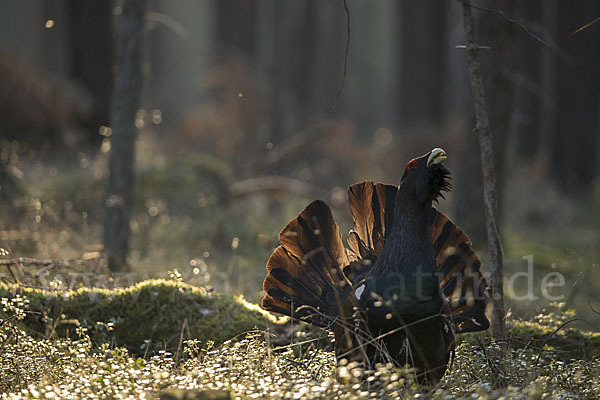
x: 461, y: 279
x: 372, y: 206
x: 305, y: 278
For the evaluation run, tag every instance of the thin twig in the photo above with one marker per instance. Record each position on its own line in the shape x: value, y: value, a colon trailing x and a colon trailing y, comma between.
x: 508, y: 19
x: 592, y: 308
x: 181, y: 335
x: 496, y: 373
x: 8, y: 267
x: 372, y: 340
x: 287, y: 346
x: 291, y: 145
x: 169, y: 22
x: 576, y: 31
x: 549, y: 336
x: 26, y: 261
x: 339, y: 92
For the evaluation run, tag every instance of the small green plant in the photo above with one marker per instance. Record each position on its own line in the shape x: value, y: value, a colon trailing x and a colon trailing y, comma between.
x: 252, y: 366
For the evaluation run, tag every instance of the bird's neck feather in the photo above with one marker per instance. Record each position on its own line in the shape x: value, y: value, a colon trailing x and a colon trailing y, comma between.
x: 408, y: 246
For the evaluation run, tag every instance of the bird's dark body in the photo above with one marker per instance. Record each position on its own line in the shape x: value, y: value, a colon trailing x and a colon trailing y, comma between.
x: 424, y: 341
x: 409, y: 280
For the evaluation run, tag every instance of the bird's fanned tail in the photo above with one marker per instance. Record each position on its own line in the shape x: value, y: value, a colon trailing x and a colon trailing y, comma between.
x: 461, y: 279
x: 311, y: 273
x: 305, y: 277
x: 372, y: 206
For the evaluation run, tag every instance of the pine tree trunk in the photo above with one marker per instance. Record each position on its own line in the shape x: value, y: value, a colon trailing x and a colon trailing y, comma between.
x: 489, y: 177
x: 9, y: 190
x: 528, y: 97
x: 422, y: 61
x: 500, y: 63
x: 236, y: 29
x: 125, y: 103
x: 549, y: 78
x: 574, y: 159
x: 91, y: 54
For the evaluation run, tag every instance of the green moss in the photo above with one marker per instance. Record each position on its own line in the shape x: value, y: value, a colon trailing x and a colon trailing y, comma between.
x: 155, y: 312
x: 566, y: 342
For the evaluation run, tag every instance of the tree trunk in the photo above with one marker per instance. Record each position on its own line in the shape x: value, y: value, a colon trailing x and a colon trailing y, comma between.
x: 500, y: 64
x: 422, y: 61
x: 529, y: 96
x: 489, y: 177
x: 574, y: 157
x: 126, y: 100
x: 91, y: 56
x: 549, y: 73
x: 326, y: 48
x: 236, y: 29
x: 371, y: 91
x: 9, y: 190
x: 54, y: 53
x: 468, y: 192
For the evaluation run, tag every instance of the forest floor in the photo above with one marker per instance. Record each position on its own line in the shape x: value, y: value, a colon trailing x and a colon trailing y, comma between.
x: 70, y: 330
x: 83, y: 344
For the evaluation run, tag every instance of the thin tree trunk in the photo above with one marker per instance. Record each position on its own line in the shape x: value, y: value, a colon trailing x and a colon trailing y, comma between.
x: 500, y: 64
x: 125, y: 103
x: 9, y: 190
x: 489, y: 177
x: 528, y: 96
x: 236, y: 29
x: 422, y: 61
x: 549, y: 76
x: 574, y: 160
x: 326, y: 36
x: 90, y: 41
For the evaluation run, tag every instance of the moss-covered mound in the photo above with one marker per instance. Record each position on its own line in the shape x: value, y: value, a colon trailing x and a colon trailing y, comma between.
x: 562, y: 340
x: 565, y: 340
x: 154, y: 314
x: 159, y: 314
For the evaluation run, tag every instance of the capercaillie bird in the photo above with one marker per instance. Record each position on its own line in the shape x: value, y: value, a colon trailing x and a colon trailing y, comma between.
x: 407, y: 283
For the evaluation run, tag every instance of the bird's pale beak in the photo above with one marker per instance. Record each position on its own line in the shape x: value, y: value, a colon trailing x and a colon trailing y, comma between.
x: 437, y: 156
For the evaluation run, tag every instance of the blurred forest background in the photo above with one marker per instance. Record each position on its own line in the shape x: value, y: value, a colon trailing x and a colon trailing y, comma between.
x: 240, y: 126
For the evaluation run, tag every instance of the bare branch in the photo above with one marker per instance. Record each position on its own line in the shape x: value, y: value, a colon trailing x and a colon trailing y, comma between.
x: 592, y: 308
x: 489, y: 176
x: 292, y: 145
x: 576, y: 31
x: 26, y: 261
x: 508, y: 19
x: 339, y: 93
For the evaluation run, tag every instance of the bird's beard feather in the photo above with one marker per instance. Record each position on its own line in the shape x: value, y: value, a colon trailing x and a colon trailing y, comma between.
x: 440, y: 182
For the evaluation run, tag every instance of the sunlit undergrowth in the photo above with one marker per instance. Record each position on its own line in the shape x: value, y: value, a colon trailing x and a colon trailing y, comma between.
x: 148, y: 316
x: 538, y: 363
x: 185, y: 216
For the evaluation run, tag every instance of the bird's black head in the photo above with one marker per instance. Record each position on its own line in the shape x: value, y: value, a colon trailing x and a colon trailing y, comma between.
x: 425, y: 177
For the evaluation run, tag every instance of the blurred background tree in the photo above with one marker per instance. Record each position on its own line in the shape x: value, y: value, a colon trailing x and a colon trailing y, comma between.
x: 125, y: 103
x: 240, y: 125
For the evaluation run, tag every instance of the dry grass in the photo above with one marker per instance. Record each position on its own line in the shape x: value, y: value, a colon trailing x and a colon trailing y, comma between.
x: 251, y: 366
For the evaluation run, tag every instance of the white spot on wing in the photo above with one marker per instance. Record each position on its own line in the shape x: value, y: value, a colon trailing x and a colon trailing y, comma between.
x: 359, y: 291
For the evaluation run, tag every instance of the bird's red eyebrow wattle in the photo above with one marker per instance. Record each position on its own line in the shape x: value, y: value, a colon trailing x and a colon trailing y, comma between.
x: 411, y: 164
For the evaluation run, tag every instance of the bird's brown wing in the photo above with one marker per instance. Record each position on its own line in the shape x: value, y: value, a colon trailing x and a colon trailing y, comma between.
x: 372, y: 206
x: 462, y: 281
x: 305, y: 277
